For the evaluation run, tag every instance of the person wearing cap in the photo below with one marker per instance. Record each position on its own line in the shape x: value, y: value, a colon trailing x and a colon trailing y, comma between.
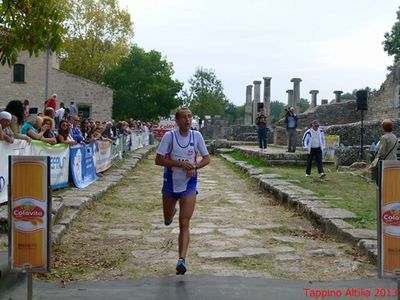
x: 314, y: 142
x: 291, y: 125
x: 5, y: 121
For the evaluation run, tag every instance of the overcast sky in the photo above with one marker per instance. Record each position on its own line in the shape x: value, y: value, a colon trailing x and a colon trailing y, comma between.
x: 330, y: 45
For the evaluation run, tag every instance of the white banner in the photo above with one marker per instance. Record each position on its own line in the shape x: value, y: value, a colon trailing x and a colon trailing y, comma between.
x: 59, y: 161
x: 103, y: 156
x: 19, y: 147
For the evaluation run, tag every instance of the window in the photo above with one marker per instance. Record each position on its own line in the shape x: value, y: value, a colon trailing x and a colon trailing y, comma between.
x: 19, y: 73
x: 84, y: 110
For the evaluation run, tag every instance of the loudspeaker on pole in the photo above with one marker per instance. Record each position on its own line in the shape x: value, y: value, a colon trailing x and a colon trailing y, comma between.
x: 362, y: 100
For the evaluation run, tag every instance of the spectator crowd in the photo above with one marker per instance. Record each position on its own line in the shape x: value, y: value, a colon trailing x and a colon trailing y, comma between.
x: 65, y: 125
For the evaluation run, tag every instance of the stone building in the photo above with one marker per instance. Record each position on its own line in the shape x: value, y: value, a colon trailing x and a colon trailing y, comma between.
x: 27, y: 80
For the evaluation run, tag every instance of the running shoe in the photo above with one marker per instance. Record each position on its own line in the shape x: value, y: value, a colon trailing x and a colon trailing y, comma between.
x: 169, y: 222
x: 180, y: 267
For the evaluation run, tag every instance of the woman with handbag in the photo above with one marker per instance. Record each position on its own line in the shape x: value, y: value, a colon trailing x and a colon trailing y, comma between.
x: 387, y: 147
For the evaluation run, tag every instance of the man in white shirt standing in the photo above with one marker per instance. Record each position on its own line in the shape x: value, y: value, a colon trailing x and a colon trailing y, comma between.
x: 314, y: 142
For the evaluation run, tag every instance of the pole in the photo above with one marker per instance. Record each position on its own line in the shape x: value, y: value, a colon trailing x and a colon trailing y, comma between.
x: 46, y: 96
x: 30, y: 284
x: 362, y: 136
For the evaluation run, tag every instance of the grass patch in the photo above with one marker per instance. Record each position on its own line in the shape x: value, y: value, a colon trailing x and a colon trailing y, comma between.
x: 249, y: 160
x: 340, y: 190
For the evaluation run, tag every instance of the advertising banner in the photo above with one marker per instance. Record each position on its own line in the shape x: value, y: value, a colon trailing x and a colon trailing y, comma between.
x: 29, y: 213
x: 59, y: 161
x: 19, y: 147
x: 134, y: 141
x: 332, y: 142
x: 83, y: 169
x: 389, y: 219
x: 116, y: 148
x: 103, y: 156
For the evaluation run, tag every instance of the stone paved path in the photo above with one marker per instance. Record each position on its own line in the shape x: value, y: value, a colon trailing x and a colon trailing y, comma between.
x: 236, y: 231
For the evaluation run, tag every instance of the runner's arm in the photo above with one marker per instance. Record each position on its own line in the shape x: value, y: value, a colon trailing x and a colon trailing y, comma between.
x: 162, y: 161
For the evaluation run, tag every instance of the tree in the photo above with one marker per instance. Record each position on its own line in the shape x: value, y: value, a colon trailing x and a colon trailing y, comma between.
x: 205, y: 95
x: 277, y: 111
x: 29, y: 25
x: 143, y: 86
x: 234, y: 114
x: 391, y: 44
x: 304, y: 105
x: 97, y: 37
x: 348, y: 96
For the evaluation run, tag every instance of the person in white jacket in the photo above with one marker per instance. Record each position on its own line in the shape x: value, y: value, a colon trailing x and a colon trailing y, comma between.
x: 314, y: 142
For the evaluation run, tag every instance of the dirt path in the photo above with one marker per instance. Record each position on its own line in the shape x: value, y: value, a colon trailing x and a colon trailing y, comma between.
x: 236, y: 230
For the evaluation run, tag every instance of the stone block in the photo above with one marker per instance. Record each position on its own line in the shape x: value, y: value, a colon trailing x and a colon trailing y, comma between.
x: 220, y: 254
x: 57, y: 232
x: 289, y: 239
x: 70, y: 217
x: 355, y: 235
x: 330, y: 213
x: 367, y: 245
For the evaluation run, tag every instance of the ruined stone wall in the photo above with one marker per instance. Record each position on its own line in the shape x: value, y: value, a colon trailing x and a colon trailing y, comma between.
x: 234, y: 133
x: 329, y: 114
x: 350, y: 134
x: 385, y: 102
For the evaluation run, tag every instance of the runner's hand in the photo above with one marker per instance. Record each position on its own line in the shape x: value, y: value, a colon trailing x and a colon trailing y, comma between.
x: 190, y: 173
x: 186, y: 165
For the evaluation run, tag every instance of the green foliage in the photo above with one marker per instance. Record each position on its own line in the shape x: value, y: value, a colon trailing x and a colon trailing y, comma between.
x: 304, y: 105
x: 97, y: 37
x: 205, y: 95
x: 391, y: 44
x: 31, y: 25
x: 349, y: 96
x: 277, y: 111
x: 143, y: 86
x: 234, y: 114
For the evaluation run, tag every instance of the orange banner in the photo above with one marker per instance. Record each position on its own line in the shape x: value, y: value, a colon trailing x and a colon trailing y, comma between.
x: 389, y: 223
x: 29, y: 213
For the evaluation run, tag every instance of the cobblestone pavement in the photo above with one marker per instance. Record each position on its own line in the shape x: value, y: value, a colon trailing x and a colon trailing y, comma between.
x: 236, y: 230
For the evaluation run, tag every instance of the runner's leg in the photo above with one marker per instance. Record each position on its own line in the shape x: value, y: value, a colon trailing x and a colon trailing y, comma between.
x: 168, y: 207
x: 186, y: 208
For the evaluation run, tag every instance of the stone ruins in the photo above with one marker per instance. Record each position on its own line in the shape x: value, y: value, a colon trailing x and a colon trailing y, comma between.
x: 338, y: 116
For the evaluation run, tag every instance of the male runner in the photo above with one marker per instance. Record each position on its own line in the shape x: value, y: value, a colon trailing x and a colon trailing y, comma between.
x: 178, y: 154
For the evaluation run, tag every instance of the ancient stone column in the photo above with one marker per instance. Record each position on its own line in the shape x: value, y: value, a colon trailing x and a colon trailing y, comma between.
x: 324, y: 101
x: 248, y: 108
x: 314, y: 97
x: 290, y: 98
x: 296, y: 94
x: 257, y: 85
x: 338, y: 95
x: 267, y: 95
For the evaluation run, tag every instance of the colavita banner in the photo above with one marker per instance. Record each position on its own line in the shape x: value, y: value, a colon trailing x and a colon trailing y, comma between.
x: 19, y: 147
x: 83, y: 168
x: 29, y: 213
x: 389, y: 220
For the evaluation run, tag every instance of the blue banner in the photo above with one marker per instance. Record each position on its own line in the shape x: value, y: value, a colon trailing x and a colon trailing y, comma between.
x: 83, y: 168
